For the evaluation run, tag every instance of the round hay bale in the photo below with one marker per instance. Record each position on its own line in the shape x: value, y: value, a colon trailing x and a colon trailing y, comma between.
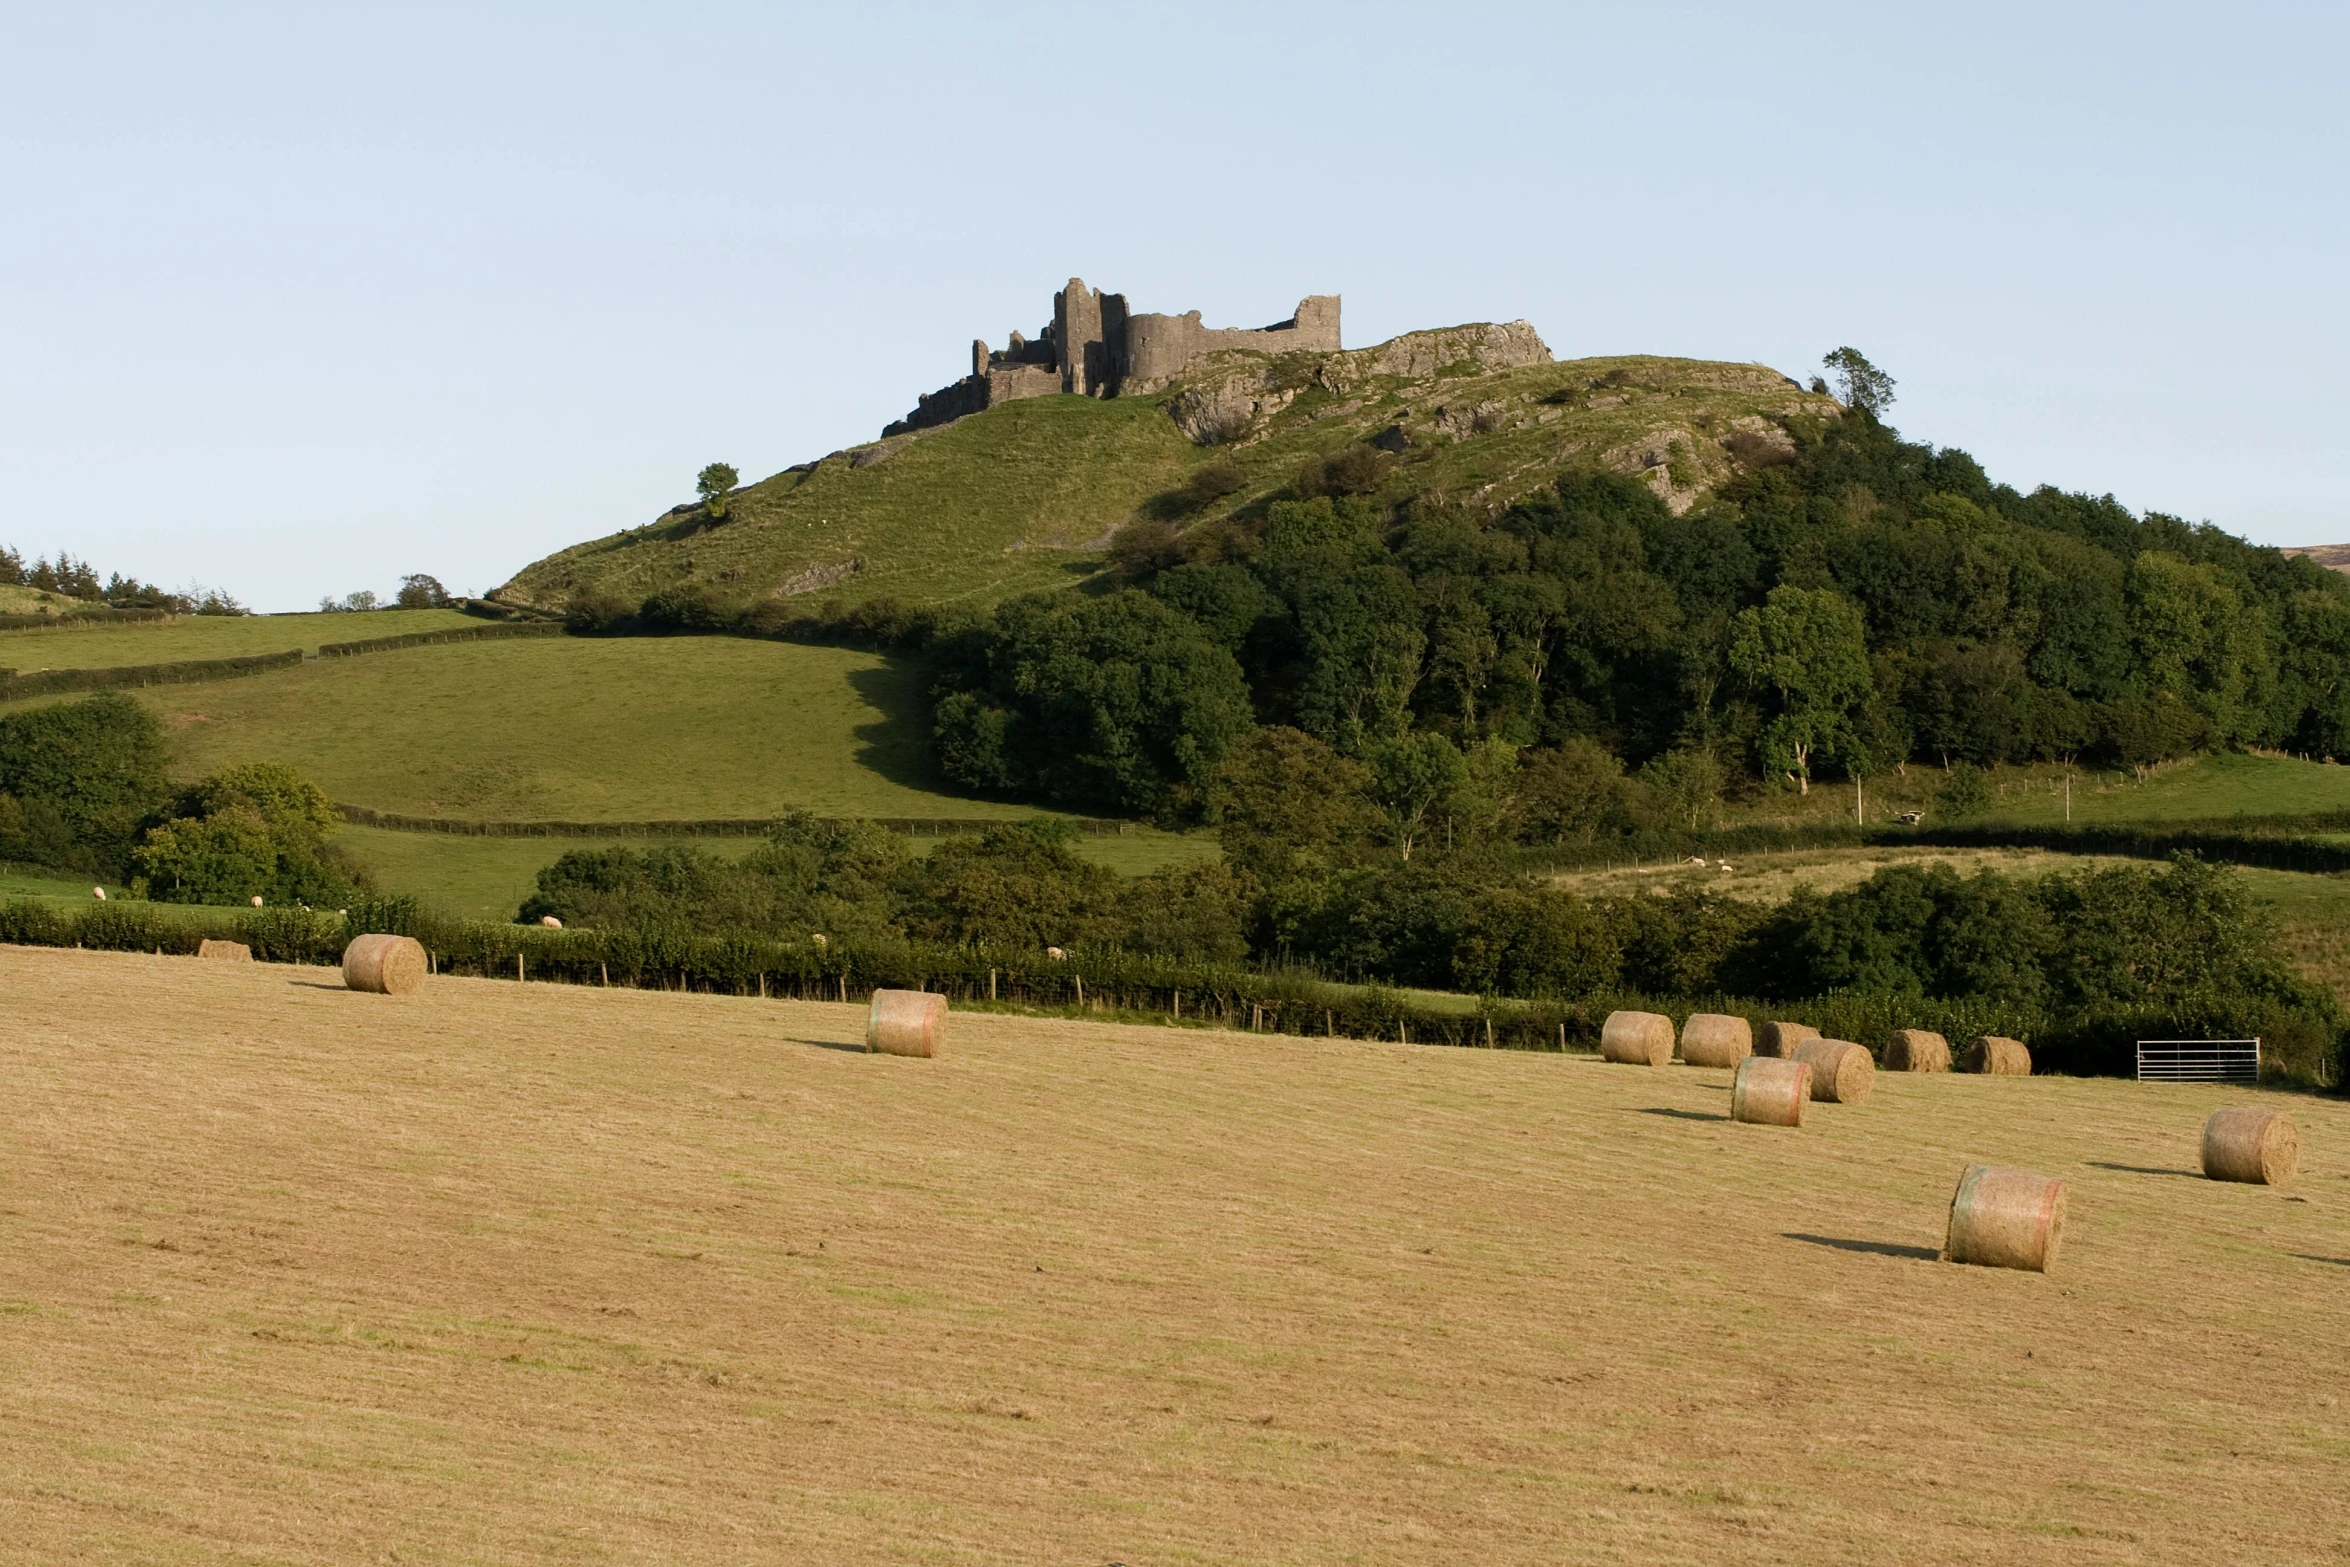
x: 224, y: 951
x: 1770, y: 1092
x: 1841, y: 1071
x: 1780, y: 1039
x: 907, y: 1023
x: 1916, y: 1050
x: 1716, y: 1039
x: 1638, y: 1038
x: 385, y: 965
x: 1997, y: 1056
x: 2005, y: 1218
x: 2245, y: 1144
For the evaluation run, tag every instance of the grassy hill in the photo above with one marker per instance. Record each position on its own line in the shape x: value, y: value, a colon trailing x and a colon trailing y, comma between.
x: 545, y: 1273
x: 1025, y: 496
x: 566, y: 729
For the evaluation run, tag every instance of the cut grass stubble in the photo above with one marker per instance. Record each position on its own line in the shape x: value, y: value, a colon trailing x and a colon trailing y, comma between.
x: 508, y: 1272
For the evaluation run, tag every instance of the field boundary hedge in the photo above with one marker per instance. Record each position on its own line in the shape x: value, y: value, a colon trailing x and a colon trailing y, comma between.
x: 696, y: 827
x: 2278, y: 842
x: 1109, y: 983
x: 187, y: 671
x: 79, y: 619
x: 527, y: 628
x: 1115, y: 984
x: 2266, y: 842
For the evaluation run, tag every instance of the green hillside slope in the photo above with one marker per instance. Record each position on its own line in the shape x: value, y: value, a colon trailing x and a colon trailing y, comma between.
x: 583, y: 730
x: 1026, y: 495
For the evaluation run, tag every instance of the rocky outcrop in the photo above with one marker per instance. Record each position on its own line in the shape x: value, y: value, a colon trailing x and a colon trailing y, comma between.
x: 1415, y: 356
x: 1229, y: 404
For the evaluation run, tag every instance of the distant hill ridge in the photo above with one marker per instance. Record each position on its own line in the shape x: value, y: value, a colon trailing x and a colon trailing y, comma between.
x: 2334, y: 556
x: 1024, y: 490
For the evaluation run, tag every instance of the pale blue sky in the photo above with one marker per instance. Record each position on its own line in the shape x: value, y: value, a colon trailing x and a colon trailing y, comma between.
x: 296, y: 299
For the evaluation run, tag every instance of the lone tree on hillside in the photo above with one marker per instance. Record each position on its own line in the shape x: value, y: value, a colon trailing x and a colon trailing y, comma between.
x: 714, y: 484
x: 1860, y: 384
x: 418, y: 591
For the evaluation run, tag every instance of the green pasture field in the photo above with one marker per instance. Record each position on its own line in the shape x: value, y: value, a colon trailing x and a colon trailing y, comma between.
x: 2225, y: 784
x: 23, y: 881
x: 580, y: 729
x: 110, y: 645
x: 2220, y: 785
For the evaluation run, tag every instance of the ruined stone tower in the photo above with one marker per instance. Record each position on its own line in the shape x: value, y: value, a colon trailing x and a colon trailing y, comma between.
x: 1094, y: 347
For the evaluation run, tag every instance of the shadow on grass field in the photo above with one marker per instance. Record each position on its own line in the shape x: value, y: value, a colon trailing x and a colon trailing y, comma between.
x: 542, y: 1273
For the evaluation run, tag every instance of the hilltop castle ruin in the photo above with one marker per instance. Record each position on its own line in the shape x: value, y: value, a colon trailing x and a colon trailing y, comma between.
x: 1096, y: 347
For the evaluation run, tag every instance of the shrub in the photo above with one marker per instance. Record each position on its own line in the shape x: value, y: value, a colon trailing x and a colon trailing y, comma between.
x: 253, y: 831
x: 1209, y: 483
x: 1355, y: 470
x: 1965, y: 793
x: 32, y: 833
x: 96, y: 765
x: 419, y: 591
x: 1145, y: 547
x: 689, y: 607
x: 1117, y: 702
x: 1573, y: 794
x: 1020, y: 885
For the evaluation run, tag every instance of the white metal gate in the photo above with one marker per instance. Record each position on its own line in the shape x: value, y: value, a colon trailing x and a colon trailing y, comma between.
x: 2198, y: 1060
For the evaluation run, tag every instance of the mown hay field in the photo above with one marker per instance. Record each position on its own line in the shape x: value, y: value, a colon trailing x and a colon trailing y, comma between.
x: 502, y: 1272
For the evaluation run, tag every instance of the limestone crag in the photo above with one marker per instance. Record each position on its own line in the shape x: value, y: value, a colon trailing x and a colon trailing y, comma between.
x: 1415, y: 356
x: 1227, y: 397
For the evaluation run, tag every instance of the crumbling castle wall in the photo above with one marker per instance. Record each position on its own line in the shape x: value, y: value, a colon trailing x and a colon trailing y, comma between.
x: 1159, y: 348
x: 1094, y: 346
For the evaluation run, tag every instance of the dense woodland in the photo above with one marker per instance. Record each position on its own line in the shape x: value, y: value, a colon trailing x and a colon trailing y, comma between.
x: 1864, y: 603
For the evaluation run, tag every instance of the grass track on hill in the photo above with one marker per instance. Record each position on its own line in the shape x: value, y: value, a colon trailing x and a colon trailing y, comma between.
x: 110, y: 646
x: 521, y: 1273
